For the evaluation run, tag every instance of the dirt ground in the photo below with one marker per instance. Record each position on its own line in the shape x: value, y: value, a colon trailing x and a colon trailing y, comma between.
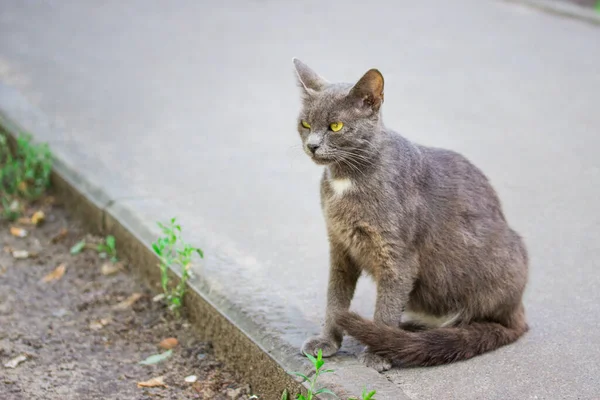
x: 76, y: 344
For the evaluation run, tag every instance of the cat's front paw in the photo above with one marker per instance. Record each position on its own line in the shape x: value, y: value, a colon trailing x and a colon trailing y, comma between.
x: 328, y: 346
x: 374, y: 361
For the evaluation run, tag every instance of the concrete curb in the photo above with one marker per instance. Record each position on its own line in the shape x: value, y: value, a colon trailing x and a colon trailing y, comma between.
x: 260, y: 357
x: 563, y: 9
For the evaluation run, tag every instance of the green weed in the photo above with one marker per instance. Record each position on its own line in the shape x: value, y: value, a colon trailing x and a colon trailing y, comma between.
x: 318, y: 364
x: 172, y: 250
x: 366, y: 395
x: 78, y: 247
x: 24, y: 175
x: 108, y: 249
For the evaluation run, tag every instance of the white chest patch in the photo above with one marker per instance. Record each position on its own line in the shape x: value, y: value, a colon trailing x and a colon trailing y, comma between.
x: 340, y: 186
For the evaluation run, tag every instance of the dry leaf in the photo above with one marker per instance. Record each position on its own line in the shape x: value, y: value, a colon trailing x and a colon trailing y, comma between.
x: 8, y: 249
x: 15, y: 206
x: 156, y: 358
x: 49, y: 200
x: 60, y: 235
x: 128, y: 302
x: 234, y: 393
x: 97, y: 325
x: 154, y: 382
x: 24, y: 221
x: 22, y: 186
x: 15, y: 361
x: 20, y: 254
x: 158, y: 297
x: 56, y: 274
x: 38, y: 217
x: 168, y: 343
x: 110, y: 268
x: 3, y: 269
x: 18, y: 232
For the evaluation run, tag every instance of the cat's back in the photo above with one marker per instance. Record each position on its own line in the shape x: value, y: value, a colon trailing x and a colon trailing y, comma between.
x: 452, y: 181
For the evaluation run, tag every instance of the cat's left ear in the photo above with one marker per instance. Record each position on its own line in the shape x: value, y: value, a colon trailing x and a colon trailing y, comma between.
x: 308, y: 79
x: 369, y: 90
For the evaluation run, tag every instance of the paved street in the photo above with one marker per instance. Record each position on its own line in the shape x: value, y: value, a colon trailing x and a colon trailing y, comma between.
x: 189, y: 109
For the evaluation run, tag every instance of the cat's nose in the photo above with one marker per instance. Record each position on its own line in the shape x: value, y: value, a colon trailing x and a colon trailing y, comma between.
x: 312, y: 147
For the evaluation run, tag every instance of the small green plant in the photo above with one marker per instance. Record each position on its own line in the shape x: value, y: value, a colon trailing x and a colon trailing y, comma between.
x: 172, y: 250
x: 78, y: 247
x: 366, y: 395
x: 318, y: 363
x: 24, y: 175
x: 108, y: 249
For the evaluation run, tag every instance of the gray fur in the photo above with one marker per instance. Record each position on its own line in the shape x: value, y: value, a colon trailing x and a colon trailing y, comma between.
x: 423, y: 222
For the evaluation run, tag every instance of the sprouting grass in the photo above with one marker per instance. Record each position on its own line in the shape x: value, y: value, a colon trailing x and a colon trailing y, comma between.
x: 107, y: 248
x: 172, y: 250
x: 24, y: 175
x: 319, y: 365
x: 366, y: 395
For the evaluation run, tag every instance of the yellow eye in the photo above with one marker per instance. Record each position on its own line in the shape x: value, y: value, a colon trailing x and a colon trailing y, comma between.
x: 305, y: 124
x: 336, y: 126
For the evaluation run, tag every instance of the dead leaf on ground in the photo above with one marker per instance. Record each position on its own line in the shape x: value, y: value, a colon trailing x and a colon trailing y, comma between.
x: 49, y: 200
x: 20, y: 254
x: 24, y: 221
x: 15, y: 361
x: 156, y: 358
x: 110, y: 268
x: 38, y: 217
x: 56, y: 274
x: 60, y: 235
x: 158, y: 297
x: 101, y: 323
x: 3, y: 270
x: 154, y: 382
x: 18, y: 232
x: 128, y: 302
x: 234, y: 393
x: 168, y: 343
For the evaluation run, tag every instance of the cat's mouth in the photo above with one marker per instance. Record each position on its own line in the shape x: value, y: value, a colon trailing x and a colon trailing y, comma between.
x: 320, y: 159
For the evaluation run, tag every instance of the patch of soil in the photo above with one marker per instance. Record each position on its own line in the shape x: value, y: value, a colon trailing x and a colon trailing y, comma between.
x: 77, y: 345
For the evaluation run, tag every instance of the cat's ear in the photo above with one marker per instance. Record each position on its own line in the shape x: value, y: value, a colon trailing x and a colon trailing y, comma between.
x: 308, y: 79
x: 369, y: 90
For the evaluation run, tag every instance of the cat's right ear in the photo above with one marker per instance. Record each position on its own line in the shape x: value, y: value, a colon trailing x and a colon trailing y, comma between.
x: 369, y: 90
x: 308, y: 79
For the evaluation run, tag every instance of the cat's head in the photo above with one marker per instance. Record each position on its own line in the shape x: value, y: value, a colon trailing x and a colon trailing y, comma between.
x: 339, y: 122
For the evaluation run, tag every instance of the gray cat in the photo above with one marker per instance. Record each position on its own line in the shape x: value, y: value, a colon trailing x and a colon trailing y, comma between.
x: 423, y: 222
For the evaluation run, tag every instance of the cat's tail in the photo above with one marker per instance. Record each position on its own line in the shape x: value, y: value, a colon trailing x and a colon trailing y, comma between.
x: 433, y: 346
